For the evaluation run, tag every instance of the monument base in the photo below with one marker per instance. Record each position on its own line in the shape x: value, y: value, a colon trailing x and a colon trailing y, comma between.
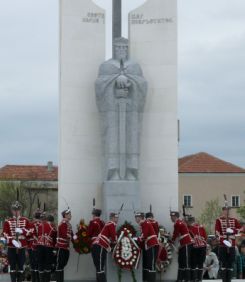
x: 116, y: 194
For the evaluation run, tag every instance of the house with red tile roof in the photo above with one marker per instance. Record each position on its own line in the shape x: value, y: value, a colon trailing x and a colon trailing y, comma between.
x: 40, y: 182
x: 203, y: 177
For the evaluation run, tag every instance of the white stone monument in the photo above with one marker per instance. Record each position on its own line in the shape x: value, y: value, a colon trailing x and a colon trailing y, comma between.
x: 153, y: 44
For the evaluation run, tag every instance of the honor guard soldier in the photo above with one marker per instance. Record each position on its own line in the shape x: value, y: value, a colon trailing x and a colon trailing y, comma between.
x: 95, y: 225
x: 64, y: 237
x: 103, y: 244
x: 32, y: 244
x: 45, y: 245
x: 181, y: 232
x: 198, y: 252
x: 149, y: 243
x: 225, y: 229
x: 150, y: 218
x: 16, y: 231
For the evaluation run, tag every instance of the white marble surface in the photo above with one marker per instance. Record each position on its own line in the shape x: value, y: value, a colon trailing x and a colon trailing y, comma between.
x: 81, y: 52
x: 154, y: 45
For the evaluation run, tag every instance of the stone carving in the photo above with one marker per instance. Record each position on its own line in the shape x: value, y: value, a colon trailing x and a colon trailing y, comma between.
x: 120, y: 94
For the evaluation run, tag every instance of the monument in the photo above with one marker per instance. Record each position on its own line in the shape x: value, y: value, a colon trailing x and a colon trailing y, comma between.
x: 118, y: 118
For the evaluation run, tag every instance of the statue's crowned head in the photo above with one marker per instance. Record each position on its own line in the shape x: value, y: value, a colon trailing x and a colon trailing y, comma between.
x: 120, y: 48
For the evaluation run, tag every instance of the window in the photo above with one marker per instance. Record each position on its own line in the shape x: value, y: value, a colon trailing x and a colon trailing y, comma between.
x: 187, y: 200
x: 235, y: 201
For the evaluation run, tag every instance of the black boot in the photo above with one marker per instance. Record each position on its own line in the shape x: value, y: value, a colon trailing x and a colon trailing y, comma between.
x: 20, y: 276
x: 33, y: 276
x: 60, y: 276
x: 42, y: 276
x: 193, y: 274
x: 199, y: 275
x: 229, y: 273
x: 223, y: 274
x: 13, y: 276
x: 187, y: 275
x: 101, y: 277
x: 151, y: 276
x: 47, y: 276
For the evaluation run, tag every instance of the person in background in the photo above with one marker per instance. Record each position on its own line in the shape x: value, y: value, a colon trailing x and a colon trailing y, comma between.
x: 242, y: 254
x: 211, y: 265
x: 237, y: 273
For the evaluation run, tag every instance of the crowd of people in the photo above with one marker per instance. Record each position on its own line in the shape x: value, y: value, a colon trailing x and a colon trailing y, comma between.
x: 48, y: 246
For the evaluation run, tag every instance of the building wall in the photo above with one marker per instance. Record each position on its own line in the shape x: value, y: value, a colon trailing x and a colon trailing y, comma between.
x: 204, y: 187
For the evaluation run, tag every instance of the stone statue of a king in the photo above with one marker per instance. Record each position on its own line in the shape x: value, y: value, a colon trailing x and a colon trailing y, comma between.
x: 120, y: 95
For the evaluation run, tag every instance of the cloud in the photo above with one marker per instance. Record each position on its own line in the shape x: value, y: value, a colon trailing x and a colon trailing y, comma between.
x: 212, y: 82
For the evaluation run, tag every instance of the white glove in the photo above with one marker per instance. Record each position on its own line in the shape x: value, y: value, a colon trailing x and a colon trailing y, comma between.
x: 18, y: 230
x: 74, y: 237
x: 16, y: 244
x: 229, y: 230
x: 227, y: 243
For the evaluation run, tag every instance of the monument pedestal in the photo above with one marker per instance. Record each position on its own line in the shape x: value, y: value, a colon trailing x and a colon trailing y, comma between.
x: 116, y: 193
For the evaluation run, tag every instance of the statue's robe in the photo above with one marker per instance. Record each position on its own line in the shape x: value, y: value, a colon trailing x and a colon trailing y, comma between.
x: 107, y: 103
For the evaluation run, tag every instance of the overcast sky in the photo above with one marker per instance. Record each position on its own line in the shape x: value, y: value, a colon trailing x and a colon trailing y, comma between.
x: 211, y: 78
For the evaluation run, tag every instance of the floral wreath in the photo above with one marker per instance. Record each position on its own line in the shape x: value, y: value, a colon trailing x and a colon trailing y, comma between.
x: 164, y: 258
x: 82, y: 242
x: 126, y: 252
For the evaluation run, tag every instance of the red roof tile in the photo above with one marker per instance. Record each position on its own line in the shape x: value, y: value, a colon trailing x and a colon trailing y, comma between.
x: 28, y: 172
x: 205, y: 163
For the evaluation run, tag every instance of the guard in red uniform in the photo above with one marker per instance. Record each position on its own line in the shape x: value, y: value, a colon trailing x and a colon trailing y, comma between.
x: 103, y: 244
x: 198, y: 253
x: 32, y: 245
x: 64, y: 237
x: 16, y: 230
x: 225, y: 229
x: 181, y: 232
x: 150, y: 218
x: 45, y: 245
x: 95, y: 225
x: 149, y: 243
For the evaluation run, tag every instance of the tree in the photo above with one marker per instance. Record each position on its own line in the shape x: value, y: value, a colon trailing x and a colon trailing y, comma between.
x: 241, y: 210
x: 211, y: 211
x: 8, y: 194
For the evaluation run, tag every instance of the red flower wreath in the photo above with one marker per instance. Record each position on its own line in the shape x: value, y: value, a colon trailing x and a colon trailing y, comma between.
x: 82, y: 244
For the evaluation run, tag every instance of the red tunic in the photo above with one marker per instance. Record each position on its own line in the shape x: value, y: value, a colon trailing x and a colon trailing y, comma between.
x: 198, y: 234
x: 46, y: 234
x: 155, y: 225
x: 148, y: 236
x: 9, y: 230
x: 107, y: 236
x: 64, y: 236
x: 221, y: 224
x: 94, y: 228
x: 181, y: 231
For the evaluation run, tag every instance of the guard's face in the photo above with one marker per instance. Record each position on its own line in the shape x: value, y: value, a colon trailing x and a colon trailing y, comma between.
x: 68, y: 216
x: 137, y: 219
x: 121, y: 52
x: 225, y: 212
x: 173, y: 218
x: 15, y: 213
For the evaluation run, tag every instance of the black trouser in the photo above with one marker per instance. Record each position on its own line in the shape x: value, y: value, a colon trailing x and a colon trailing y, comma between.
x: 99, y: 258
x: 33, y: 265
x: 227, y: 258
x: 184, y: 260
x: 149, y: 264
x: 33, y: 259
x: 62, y: 260
x: 16, y: 258
x: 198, y: 256
x: 45, y: 260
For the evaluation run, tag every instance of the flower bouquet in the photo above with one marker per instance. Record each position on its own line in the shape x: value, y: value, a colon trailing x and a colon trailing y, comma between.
x: 82, y: 242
